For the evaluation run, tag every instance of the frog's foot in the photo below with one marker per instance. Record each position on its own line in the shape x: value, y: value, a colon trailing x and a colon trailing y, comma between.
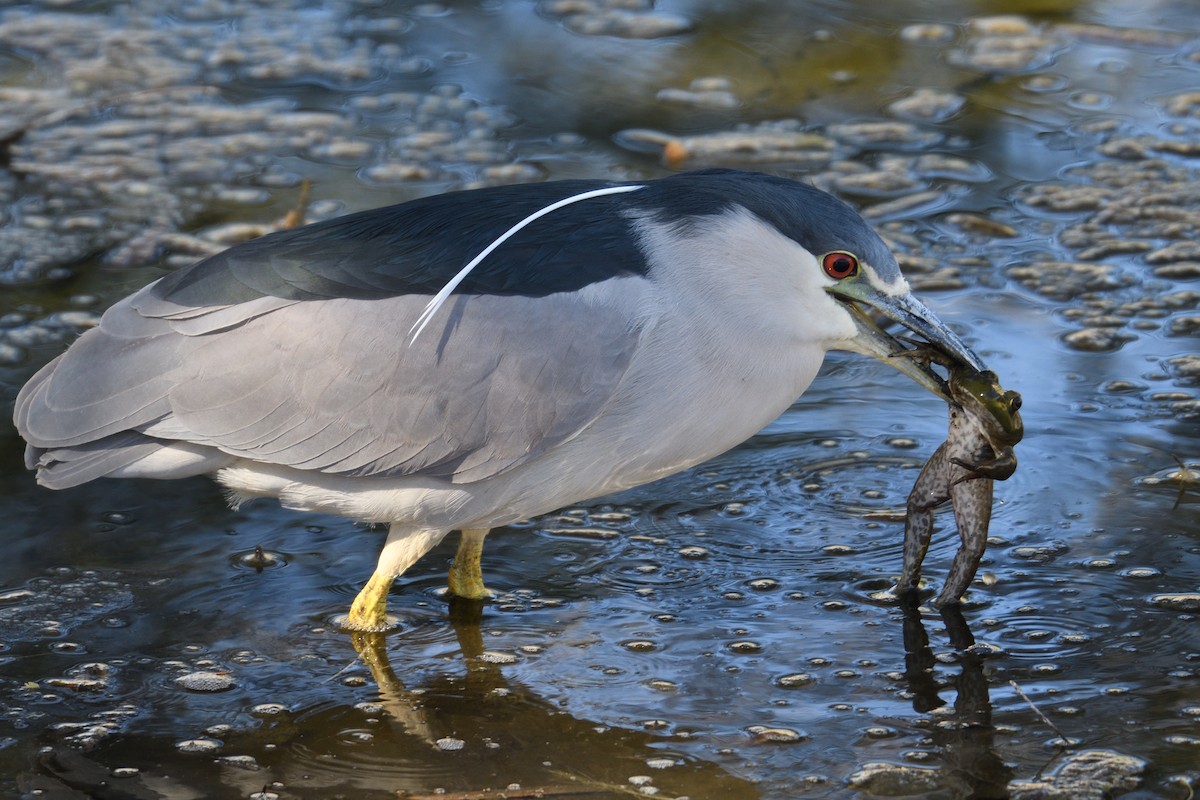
x: 947, y: 599
x: 900, y: 594
x: 466, y: 573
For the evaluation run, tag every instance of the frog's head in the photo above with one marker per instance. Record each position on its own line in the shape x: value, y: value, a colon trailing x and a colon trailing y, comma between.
x: 983, y: 398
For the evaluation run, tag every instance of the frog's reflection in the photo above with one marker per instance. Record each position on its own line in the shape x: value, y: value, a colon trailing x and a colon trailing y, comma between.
x: 966, y: 739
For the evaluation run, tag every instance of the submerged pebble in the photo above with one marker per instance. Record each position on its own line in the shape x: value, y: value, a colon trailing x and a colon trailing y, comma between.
x: 1088, y: 775
x: 198, y: 746
x: 766, y: 143
x: 205, y: 681
x: 1177, y: 602
x: 895, y: 780
x: 764, y: 734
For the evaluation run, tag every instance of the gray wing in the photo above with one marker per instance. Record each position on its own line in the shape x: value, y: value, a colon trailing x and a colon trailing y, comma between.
x: 334, y: 385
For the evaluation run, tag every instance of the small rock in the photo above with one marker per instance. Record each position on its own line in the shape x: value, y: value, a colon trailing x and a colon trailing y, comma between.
x: 1090, y: 775
x: 764, y: 734
x: 927, y: 105
x: 205, y: 681
x: 1177, y: 602
x: 896, y: 780
x: 1097, y: 340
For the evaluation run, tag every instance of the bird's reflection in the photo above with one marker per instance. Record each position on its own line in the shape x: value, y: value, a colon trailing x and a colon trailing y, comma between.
x: 460, y: 732
x: 966, y: 739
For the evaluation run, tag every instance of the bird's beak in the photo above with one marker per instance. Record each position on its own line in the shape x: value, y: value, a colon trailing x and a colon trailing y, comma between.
x: 872, y: 340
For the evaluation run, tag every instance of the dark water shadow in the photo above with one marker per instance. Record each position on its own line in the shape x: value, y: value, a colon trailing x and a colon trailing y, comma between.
x: 967, y: 740
x: 472, y: 734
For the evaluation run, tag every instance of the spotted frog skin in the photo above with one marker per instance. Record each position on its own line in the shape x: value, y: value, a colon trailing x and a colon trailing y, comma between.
x: 984, y: 427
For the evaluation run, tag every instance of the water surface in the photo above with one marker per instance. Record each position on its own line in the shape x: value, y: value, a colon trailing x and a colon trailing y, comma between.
x: 712, y: 635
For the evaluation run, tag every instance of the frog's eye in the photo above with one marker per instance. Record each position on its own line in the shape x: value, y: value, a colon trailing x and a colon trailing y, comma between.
x: 840, y: 265
x: 1014, y: 402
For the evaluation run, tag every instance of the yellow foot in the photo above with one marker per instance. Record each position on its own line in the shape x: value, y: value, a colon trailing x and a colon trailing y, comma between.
x: 368, y: 612
x: 466, y: 574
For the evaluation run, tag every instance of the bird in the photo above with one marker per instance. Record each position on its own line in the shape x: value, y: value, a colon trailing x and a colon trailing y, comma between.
x: 468, y: 360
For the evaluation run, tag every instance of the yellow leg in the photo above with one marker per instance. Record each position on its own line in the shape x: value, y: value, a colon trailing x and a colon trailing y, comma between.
x: 466, y: 574
x: 368, y: 612
x: 404, y: 546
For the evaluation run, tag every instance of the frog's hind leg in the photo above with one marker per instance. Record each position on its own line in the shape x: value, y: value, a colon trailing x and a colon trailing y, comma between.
x: 972, y: 501
x: 930, y: 491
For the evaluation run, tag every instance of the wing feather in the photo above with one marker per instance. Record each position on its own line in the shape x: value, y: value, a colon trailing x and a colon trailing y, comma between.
x: 336, y: 386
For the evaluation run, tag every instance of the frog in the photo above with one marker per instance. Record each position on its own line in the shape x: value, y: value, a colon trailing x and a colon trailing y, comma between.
x: 984, y: 428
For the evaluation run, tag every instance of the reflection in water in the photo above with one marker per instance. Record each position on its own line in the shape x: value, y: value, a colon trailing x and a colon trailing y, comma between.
x: 643, y: 624
x: 967, y: 742
x: 472, y: 735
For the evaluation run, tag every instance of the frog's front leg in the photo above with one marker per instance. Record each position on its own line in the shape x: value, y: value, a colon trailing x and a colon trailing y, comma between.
x: 972, y: 499
x: 931, y: 489
x: 999, y: 467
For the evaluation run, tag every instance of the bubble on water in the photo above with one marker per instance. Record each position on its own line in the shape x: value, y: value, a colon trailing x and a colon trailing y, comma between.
x: 639, y: 645
x: 259, y: 559
x: 356, y: 736
x: 661, y: 762
x: 745, y: 647
x: 449, y: 743
x: 248, y: 763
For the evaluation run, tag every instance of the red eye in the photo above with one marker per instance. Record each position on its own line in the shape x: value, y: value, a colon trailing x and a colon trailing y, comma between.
x: 840, y: 265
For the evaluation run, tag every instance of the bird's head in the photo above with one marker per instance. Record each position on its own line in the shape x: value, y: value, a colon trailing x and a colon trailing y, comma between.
x: 860, y: 289
x: 840, y: 258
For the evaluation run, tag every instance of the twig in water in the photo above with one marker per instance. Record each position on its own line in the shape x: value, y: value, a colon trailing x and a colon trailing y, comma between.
x: 1186, y: 475
x: 1062, y: 737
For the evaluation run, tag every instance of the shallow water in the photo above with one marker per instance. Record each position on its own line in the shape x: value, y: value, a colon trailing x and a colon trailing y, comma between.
x: 712, y: 635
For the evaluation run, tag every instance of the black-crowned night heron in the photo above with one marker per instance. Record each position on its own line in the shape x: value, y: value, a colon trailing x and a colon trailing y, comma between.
x: 465, y: 361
